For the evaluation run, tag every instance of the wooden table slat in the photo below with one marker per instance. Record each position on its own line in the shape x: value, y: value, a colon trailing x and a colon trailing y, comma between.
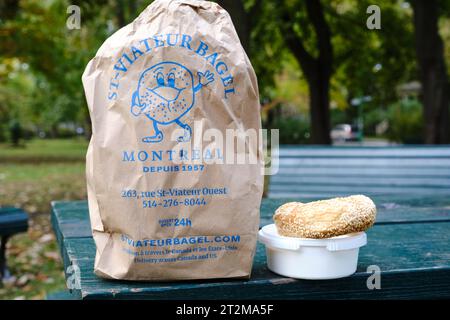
x: 410, y: 243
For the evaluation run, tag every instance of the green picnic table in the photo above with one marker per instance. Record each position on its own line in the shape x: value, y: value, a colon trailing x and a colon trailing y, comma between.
x: 12, y: 221
x: 410, y: 244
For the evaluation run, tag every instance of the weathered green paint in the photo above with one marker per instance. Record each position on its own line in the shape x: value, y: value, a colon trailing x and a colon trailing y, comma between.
x: 410, y: 243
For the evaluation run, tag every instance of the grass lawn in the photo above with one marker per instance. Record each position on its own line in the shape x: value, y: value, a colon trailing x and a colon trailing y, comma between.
x: 44, y: 150
x: 31, y: 177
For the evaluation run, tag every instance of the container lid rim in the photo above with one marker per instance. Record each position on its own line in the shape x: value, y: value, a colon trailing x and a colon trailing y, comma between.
x: 269, y: 236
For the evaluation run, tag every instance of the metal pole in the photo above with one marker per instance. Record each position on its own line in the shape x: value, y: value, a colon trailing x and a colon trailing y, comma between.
x: 3, y: 270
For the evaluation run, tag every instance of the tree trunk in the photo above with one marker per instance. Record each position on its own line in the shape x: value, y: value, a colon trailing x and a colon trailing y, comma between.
x: 54, y: 132
x: 241, y: 20
x: 319, y: 109
x: 120, y: 13
x: 433, y: 72
x: 317, y: 70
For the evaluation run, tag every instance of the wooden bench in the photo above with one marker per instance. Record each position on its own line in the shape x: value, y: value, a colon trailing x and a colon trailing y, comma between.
x: 323, y: 172
x: 12, y: 221
x: 410, y: 243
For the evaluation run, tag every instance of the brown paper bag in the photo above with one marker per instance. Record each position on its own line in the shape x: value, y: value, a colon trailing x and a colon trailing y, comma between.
x: 171, y: 194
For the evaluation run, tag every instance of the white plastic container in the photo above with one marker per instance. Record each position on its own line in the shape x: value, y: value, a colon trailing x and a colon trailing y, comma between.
x: 313, y: 259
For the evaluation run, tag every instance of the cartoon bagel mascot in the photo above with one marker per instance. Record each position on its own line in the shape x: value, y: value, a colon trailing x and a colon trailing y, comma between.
x: 165, y: 93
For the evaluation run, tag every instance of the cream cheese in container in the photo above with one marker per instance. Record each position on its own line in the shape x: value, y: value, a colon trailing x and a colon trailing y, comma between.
x: 314, y: 259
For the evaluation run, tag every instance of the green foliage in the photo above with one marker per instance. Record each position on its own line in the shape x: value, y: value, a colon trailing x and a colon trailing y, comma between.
x: 41, y: 61
x: 290, y: 87
x: 339, y: 116
x: 372, y: 62
x: 16, y: 132
x: 293, y: 130
x: 372, y: 118
x: 366, y: 62
x: 267, y: 49
x: 405, y: 121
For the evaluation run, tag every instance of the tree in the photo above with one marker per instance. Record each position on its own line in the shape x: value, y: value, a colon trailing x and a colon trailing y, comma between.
x: 350, y: 62
x: 242, y: 20
x: 433, y: 72
x: 370, y: 62
x: 281, y: 21
x: 260, y: 36
x: 126, y: 11
x: 316, y: 68
x: 34, y: 34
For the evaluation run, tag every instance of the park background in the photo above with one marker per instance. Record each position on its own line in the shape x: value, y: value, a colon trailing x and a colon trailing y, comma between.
x: 318, y: 65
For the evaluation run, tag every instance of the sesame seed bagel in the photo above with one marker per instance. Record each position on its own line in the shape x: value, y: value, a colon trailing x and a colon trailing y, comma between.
x: 325, y: 218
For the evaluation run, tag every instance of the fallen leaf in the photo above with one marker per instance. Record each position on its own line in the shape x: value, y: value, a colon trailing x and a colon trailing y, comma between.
x: 49, y: 281
x: 23, y: 280
x: 53, y: 255
x: 46, y: 238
